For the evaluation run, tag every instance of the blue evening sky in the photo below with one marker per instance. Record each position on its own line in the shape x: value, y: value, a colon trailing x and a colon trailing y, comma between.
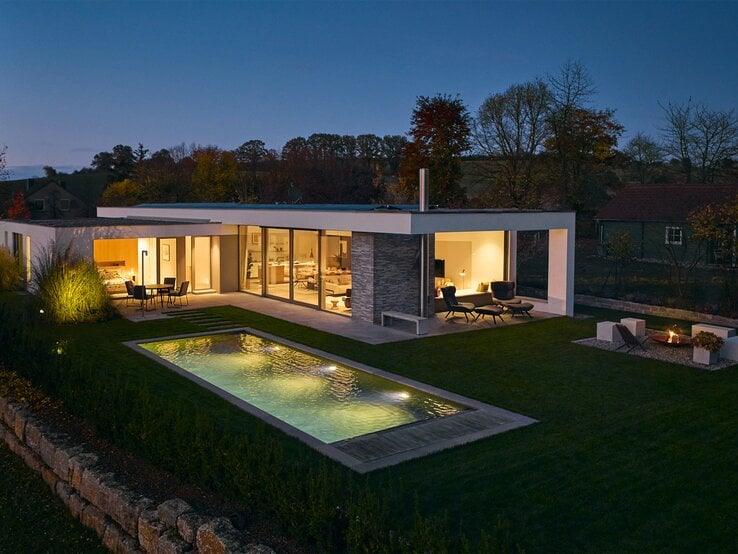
x: 80, y: 77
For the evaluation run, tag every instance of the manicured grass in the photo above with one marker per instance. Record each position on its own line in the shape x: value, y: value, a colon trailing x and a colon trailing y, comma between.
x: 32, y: 518
x: 630, y: 454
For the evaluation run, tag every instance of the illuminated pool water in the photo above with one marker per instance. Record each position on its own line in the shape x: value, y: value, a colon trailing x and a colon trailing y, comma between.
x: 324, y: 399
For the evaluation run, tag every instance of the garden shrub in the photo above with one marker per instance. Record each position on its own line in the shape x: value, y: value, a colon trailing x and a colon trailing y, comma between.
x: 10, y: 274
x: 70, y: 289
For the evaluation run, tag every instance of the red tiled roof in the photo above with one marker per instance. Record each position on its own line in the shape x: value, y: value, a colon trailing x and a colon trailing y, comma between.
x: 672, y: 202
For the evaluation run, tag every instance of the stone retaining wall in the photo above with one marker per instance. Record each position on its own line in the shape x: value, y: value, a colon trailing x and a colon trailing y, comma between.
x: 125, y: 521
x: 648, y: 309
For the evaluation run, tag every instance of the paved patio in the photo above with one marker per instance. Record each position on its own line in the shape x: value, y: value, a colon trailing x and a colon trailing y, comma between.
x: 324, y: 320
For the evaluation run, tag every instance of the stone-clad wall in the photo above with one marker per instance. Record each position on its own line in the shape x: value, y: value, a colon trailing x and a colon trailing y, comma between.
x: 362, y: 276
x: 125, y: 521
x: 386, y: 276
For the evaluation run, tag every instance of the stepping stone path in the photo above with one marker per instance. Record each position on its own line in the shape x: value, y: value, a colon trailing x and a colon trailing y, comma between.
x: 203, y: 319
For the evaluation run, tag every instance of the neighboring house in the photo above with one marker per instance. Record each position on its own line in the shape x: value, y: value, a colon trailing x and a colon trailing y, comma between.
x: 63, y: 196
x: 51, y: 200
x: 656, y: 217
x: 352, y: 260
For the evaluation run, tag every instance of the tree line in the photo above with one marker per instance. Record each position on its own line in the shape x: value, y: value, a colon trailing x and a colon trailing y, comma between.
x: 544, y: 143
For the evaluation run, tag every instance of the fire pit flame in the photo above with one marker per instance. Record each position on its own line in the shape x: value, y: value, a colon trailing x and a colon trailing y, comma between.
x: 673, y: 337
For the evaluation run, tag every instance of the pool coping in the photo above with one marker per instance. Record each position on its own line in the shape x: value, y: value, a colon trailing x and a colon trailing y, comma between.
x: 462, y: 420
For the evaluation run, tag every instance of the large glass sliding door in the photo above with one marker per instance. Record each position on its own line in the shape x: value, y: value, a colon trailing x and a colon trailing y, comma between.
x: 251, y: 268
x: 278, y: 271
x: 305, y: 267
x: 301, y: 266
x: 335, y: 260
x: 201, y: 270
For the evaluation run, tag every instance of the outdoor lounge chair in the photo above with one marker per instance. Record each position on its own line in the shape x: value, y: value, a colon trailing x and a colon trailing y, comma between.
x: 181, y: 293
x: 453, y: 305
x: 630, y: 341
x: 503, y: 292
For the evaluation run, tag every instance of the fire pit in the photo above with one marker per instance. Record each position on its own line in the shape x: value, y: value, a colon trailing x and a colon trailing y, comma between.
x: 672, y: 339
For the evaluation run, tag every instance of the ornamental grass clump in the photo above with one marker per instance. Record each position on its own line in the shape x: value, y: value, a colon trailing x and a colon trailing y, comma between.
x: 69, y: 289
x: 10, y: 274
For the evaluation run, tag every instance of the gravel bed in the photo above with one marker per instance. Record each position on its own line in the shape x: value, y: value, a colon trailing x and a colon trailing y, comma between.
x: 673, y: 354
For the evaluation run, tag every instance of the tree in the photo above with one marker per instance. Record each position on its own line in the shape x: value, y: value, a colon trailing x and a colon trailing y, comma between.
x: 700, y: 138
x: 3, y: 164
x: 215, y: 175
x: 120, y: 161
x: 124, y: 193
x: 510, y: 130
x: 250, y: 154
x: 19, y: 207
x: 440, y: 130
x: 643, y: 154
x: 49, y: 171
x: 587, y: 144
x: 570, y: 90
x: 139, y: 155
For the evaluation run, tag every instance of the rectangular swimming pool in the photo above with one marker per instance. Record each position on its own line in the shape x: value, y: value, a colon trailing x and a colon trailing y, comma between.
x: 327, y: 400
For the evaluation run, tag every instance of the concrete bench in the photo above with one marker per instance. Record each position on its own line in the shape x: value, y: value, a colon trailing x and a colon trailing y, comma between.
x: 636, y: 326
x: 606, y: 331
x: 729, y: 351
x: 717, y: 330
x: 421, y: 323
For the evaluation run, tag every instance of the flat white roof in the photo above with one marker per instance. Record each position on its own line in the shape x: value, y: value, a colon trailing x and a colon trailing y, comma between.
x: 403, y: 220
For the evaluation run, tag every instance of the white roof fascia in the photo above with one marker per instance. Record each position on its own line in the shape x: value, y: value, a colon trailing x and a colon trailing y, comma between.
x: 403, y: 223
x: 438, y: 222
x: 358, y: 221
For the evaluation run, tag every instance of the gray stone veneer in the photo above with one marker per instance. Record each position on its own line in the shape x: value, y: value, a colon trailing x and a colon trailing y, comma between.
x: 385, y: 275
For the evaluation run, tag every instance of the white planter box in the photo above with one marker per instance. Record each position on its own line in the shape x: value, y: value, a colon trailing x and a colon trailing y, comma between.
x: 636, y: 326
x: 606, y: 331
x: 704, y: 356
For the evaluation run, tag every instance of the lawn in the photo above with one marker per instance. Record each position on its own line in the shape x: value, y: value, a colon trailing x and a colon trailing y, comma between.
x: 35, y: 520
x: 629, y: 454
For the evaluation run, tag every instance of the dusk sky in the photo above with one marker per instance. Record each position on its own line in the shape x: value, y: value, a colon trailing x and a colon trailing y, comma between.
x: 80, y: 77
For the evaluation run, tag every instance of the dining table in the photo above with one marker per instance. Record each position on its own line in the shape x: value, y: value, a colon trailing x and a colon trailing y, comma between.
x: 160, y: 289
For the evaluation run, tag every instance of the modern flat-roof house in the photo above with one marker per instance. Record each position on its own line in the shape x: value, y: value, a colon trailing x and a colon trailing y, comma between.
x: 353, y: 260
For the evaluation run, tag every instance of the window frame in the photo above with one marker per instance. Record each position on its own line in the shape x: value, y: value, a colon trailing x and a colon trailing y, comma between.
x: 670, y: 235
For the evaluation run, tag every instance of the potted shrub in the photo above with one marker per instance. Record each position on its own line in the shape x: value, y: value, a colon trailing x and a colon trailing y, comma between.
x: 706, y: 347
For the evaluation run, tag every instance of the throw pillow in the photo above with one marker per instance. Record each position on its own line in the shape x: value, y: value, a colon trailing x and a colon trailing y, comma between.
x: 483, y: 287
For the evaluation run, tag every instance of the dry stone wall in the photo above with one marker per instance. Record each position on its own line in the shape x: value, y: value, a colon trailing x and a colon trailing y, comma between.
x: 125, y: 521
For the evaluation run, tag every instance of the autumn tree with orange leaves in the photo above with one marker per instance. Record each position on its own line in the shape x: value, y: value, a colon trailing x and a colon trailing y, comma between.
x: 440, y: 135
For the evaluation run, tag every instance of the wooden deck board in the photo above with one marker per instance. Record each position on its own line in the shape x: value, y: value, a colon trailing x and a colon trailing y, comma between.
x: 380, y: 445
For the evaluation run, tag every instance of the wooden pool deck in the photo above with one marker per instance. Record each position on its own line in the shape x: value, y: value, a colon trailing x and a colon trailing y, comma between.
x: 385, y: 448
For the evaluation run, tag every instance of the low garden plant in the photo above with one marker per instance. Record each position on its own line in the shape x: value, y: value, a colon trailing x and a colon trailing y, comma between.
x: 10, y: 274
x: 709, y: 341
x: 70, y: 289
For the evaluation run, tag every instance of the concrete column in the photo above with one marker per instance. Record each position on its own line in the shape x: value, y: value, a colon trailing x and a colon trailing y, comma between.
x: 512, y: 256
x: 561, y: 271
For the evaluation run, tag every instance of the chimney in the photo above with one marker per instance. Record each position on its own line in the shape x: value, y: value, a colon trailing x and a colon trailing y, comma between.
x: 424, y: 193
